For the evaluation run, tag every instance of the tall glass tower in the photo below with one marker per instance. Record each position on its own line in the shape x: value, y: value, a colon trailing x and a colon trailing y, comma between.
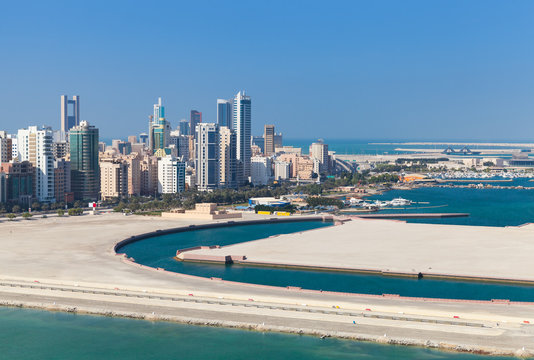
x: 224, y: 113
x: 69, y: 119
x: 242, y: 128
x: 85, y: 170
x: 159, y: 128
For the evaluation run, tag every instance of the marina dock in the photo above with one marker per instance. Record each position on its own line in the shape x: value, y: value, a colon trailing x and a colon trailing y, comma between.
x: 411, y: 216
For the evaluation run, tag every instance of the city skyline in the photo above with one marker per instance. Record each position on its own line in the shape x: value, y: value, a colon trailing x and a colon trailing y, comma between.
x: 412, y: 70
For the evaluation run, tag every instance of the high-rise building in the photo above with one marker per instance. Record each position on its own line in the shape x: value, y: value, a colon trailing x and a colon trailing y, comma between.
x: 6, y: 147
x: 194, y: 120
x: 122, y: 147
x: 183, y: 127
x: 35, y: 146
x: 171, y: 175
x: 113, y: 178
x: 62, y: 180
x: 85, y: 174
x: 207, y: 156
x: 259, y: 142
x: 319, y: 152
x: 181, y: 144
x: 282, y: 170
x: 261, y: 170
x: 278, y: 143
x: 3, y: 187
x: 132, y: 139
x: 14, y: 147
x: 149, y: 175
x: 224, y: 113
x: 227, y: 158
x: 242, y: 128
x: 268, y: 136
x: 70, y: 112
x: 159, y: 128
x: 60, y: 149
x: 133, y: 161
x: 143, y: 139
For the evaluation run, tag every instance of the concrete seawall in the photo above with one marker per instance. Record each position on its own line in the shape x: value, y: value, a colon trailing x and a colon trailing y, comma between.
x: 132, y: 239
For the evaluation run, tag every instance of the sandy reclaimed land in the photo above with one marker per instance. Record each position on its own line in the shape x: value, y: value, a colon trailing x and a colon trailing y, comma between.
x: 68, y: 264
x: 394, y: 246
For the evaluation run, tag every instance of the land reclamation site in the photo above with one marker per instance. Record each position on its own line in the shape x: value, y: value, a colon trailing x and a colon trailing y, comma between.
x: 70, y: 264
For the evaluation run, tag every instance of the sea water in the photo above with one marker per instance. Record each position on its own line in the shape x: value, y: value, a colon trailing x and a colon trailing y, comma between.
x: 41, y: 335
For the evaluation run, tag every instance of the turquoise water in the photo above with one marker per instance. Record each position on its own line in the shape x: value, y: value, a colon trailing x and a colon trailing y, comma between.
x: 371, y: 147
x: 487, y: 207
x: 33, y: 334
x: 160, y: 251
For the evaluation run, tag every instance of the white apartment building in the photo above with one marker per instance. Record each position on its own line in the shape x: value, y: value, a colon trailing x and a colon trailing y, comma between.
x: 282, y: 170
x: 260, y: 170
x: 35, y: 146
x: 171, y: 175
x: 242, y: 127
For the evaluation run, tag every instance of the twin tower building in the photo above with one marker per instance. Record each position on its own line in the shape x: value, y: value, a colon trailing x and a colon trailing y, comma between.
x: 221, y: 150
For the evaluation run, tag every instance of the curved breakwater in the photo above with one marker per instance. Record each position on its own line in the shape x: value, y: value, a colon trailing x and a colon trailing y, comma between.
x: 158, y: 251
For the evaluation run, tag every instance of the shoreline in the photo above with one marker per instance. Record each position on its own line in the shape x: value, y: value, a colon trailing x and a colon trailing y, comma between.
x: 442, y: 346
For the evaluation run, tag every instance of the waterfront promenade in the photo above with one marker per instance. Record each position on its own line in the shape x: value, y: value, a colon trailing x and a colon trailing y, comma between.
x: 69, y: 264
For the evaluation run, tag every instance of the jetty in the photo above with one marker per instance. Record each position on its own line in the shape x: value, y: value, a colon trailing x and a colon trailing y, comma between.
x: 411, y: 216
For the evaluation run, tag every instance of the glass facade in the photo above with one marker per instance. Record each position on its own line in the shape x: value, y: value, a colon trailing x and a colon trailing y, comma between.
x: 85, y: 171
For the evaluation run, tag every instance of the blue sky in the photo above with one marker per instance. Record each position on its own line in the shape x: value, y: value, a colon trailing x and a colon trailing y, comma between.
x: 338, y: 69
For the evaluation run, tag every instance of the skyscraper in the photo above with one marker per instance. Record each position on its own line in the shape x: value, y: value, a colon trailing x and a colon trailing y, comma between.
x: 85, y: 170
x: 194, y: 120
x: 227, y: 158
x: 268, y: 136
x: 224, y: 113
x: 183, y: 126
x: 242, y: 128
x: 207, y: 156
x: 69, y: 117
x: 319, y: 152
x: 35, y: 146
x: 159, y: 128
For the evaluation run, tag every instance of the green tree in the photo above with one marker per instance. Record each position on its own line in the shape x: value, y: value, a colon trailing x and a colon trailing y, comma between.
x: 26, y: 215
x: 11, y: 216
x: 60, y: 212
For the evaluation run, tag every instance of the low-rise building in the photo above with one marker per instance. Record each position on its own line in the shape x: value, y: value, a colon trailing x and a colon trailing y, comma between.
x: 206, y: 211
x: 19, y: 181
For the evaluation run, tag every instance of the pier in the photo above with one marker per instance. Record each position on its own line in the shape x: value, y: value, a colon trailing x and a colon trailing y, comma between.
x: 412, y: 216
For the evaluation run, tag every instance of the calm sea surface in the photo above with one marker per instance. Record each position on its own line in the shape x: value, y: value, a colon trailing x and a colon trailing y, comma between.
x: 40, y: 335
x: 487, y: 207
